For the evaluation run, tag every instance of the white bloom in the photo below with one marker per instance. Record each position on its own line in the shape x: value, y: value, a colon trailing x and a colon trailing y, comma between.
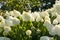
x: 8, y: 22
x: 28, y: 32
x: 49, y: 27
x: 32, y: 18
x: 5, y: 33
x: 1, y: 18
x: 7, y: 29
x: 55, y: 21
x: 35, y: 14
x: 9, y: 18
x: 15, y: 21
x: 2, y: 21
x: 51, y: 30
x: 52, y: 12
x: 26, y: 16
x: 12, y: 21
x: 47, y: 23
x: 4, y: 38
x: 47, y: 18
x: 57, y: 7
x: 7, y: 13
x: 57, y: 29
x: 11, y: 13
x: 45, y: 38
x: 58, y: 18
x: 17, y: 13
x: 39, y: 19
x: 43, y: 14
x: 57, y: 1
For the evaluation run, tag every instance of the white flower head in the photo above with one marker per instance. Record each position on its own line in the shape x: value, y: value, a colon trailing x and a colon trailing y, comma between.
x: 4, y: 38
x: 8, y: 22
x: 43, y: 14
x: 47, y: 23
x: 47, y: 18
x: 26, y: 16
x: 57, y: 29
x: 7, y: 13
x: 11, y: 13
x: 57, y: 7
x: 35, y: 14
x: 1, y: 18
x: 51, y: 30
x: 32, y: 18
x: 39, y: 19
x: 17, y: 13
x: 9, y: 18
x: 28, y: 32
x: 55, y: 21
x: 7, y: 29
x: 44, y: 38
x: 52, y: 12
x: 2, y: 21
x: 15, y: 21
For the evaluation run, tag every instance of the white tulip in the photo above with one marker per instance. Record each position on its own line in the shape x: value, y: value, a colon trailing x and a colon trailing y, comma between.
x: 11, y: 13
x: 35, y: 14
x: 4, y: 38
x: 2, y: 21
x: 28, y: 32
x: 12, y: 21
x: 50, y: 10
x: 9, y: 18
x: 57, y: 7
x: 47, y: 23
x: 49, y: 27
x: 15, y: 21
x: 57, y: 29
x: 1, y: 18
x: 7, y: 13
x: 51, y: 30
x: 45, y: 38
x: 32, y: 18
x: 58, y: 18
x: 8, y: 22
x: 39, y: 19
x: 55, y: 21
x: 26, y: 16
x: 43, y: 14
x: 47, y: 18
x: 17, y: 13
x: 7, y: 29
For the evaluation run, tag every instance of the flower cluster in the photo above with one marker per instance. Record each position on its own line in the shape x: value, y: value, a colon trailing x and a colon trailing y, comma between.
x: 28, y: 23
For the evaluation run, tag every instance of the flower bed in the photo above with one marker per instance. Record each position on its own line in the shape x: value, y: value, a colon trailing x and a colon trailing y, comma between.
x: 43, y: 25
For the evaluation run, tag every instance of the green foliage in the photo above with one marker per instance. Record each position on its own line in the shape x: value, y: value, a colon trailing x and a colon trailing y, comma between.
x: 20, y: 5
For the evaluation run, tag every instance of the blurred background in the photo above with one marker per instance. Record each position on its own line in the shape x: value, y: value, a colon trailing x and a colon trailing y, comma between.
x: 25, y: 5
